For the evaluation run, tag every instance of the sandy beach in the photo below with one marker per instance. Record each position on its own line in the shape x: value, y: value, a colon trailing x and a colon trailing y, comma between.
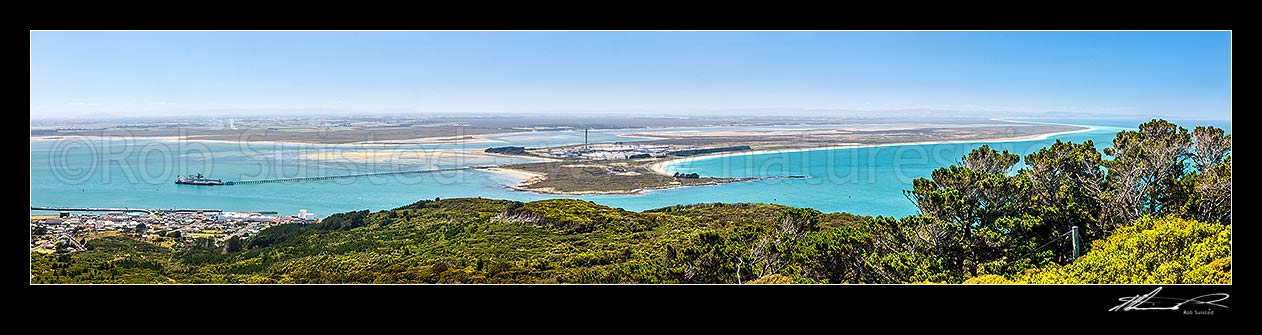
x: 435, y: 140
x: 787, y: 130
x: 524, y: 177
x: 175, y: 139
x: 660, y: 167
x: 471, y: 139
x: 81, y: 137
x: 383, y: 155
x: 168, y: 139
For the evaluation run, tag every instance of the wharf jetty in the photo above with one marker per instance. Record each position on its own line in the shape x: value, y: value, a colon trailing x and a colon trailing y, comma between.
x: 355, y: 175
x: 199, y: 180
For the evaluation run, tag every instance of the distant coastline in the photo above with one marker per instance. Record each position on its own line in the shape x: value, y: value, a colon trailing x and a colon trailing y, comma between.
x: 477, y: 139
x: 637, y: 176
x: 661, y: 167
x: 550, y: 181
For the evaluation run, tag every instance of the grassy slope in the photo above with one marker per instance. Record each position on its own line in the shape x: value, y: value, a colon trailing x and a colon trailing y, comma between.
x: 446, y: 241
x: 576, y: 241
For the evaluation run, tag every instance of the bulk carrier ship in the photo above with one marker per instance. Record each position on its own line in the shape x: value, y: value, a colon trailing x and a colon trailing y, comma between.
x: 199, y: 180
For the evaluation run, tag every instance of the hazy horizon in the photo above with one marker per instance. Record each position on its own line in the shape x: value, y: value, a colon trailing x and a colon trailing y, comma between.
x: 785, y: 114
x: 1176, y: 75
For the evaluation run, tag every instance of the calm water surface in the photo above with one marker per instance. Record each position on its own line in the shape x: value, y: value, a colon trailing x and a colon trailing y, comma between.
x: 139, y: 173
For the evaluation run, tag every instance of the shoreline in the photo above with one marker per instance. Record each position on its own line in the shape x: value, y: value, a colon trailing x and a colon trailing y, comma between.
x: 534, y: 158
x: 77, y: 137
x: 413, y: 141
x: 660, y: 167
x: 474, y: 139
x: 180, y: 139
x: 526, y: 178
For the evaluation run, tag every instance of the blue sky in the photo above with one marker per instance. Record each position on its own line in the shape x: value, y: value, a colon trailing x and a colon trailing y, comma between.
x: 1168, y: 74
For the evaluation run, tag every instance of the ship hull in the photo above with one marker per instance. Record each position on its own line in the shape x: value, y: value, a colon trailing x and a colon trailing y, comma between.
x: 199, y: 183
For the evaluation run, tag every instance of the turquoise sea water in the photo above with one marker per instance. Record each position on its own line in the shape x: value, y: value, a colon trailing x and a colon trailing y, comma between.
x: 139, y: 173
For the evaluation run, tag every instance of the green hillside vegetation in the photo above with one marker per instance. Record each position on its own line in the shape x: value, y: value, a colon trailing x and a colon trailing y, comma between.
x: 454, y: 241
x: 1153, y: 250
x: 1155, y: 208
